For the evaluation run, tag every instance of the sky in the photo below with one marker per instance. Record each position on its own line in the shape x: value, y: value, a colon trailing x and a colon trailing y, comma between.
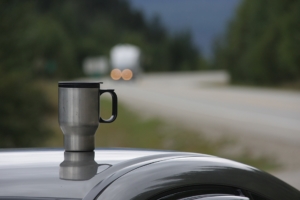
x: 206, y: 19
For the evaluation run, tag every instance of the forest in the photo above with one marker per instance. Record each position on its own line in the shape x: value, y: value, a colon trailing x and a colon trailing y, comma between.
x: 49, y: 40
x: 262, y: 44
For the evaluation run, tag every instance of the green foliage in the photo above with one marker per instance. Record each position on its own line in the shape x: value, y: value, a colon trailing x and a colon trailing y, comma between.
x: 262, y: 45
x: 49, y: 39
x: 183, y: 56
x: 22, y: 105
x: 22, y: 113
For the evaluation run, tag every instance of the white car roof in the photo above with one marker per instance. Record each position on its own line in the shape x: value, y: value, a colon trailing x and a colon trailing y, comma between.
x: 36, y: 172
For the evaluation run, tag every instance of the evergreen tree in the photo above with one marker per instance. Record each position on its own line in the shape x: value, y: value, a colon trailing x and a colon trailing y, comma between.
x: 262, y: 45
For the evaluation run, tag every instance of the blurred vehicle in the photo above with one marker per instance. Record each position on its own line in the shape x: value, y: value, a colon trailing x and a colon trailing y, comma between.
x: 123, y: 174
x: 125, y: 62
x: 95, y: 66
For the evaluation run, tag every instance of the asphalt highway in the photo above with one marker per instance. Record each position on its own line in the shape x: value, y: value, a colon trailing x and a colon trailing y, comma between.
x: 262, y: 120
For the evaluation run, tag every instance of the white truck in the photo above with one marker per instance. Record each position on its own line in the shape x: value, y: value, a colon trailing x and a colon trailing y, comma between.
x: 125, y: 62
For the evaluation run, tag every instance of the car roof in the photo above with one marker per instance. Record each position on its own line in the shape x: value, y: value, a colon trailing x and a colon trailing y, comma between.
x: 38, y: 172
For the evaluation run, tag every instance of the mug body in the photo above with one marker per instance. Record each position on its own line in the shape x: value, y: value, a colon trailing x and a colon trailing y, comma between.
x: 78, y: 114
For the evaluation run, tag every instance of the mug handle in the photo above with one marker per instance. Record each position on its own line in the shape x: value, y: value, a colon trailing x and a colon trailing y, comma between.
x: 114, y: 106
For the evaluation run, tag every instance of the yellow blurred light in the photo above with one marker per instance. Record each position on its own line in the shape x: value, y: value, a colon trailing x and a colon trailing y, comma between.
x: 127, y: 74
x: 116, y: 74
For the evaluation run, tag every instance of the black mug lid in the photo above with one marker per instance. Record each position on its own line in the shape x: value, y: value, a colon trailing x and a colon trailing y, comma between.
x: 78, y: 84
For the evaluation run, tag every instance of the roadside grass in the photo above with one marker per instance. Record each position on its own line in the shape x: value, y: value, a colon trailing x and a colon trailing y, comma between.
x: 130, y: 130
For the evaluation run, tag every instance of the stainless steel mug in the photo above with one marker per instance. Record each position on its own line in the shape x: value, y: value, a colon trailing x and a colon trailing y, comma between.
x: 78, y: 115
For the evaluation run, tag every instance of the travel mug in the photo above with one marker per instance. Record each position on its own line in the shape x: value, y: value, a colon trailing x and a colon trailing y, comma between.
x: 78, y: 115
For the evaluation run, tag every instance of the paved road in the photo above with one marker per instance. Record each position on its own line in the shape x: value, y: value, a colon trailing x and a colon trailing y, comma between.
x: 262, y: 120
x: 192, y: 97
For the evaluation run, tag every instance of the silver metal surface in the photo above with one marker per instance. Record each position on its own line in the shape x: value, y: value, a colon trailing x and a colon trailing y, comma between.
x: 78, y: 166
x: 78, y: 117
x: 35, y: 172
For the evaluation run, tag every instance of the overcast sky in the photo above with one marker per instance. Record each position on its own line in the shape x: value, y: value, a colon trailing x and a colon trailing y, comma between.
x: 205, y: 18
